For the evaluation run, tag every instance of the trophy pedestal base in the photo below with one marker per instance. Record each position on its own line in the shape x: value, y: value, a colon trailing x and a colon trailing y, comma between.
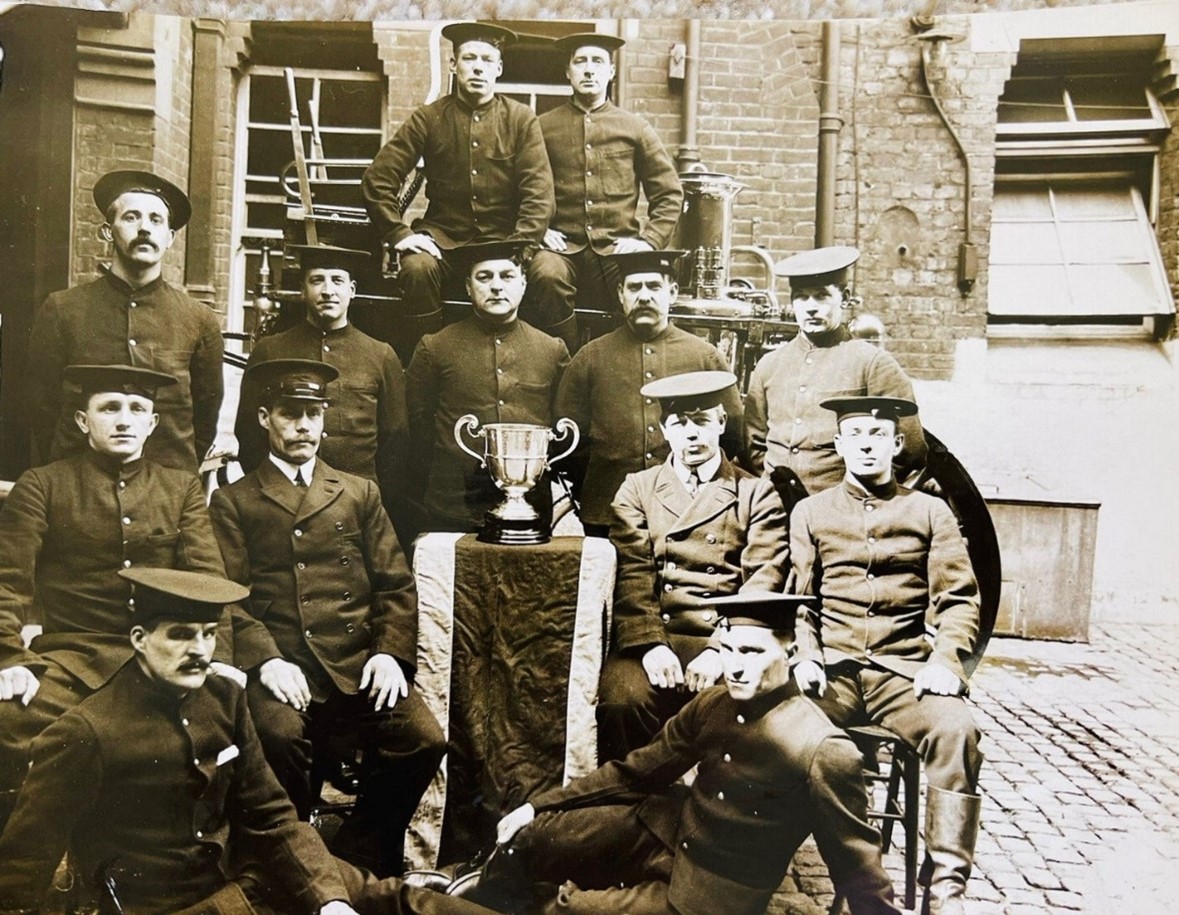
x: 513, y: 531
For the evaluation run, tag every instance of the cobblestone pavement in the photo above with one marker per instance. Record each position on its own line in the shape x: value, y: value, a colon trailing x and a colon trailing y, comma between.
x: 1080, y: 784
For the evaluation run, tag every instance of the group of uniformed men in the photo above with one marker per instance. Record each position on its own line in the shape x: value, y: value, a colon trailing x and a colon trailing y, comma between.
x: 196, y: 674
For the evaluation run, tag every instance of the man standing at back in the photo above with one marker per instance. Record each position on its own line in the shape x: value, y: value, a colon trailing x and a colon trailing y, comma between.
x: 365, y: 428
x: 620, y: 427
x: 602, y: 157
x: 487, y: 176
x: 131, y: 315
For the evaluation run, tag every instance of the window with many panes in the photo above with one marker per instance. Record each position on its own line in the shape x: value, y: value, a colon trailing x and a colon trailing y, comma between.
x: 1073, y: 240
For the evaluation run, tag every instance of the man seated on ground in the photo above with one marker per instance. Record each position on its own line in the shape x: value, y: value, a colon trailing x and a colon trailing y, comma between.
x: 600, y: 392
x: 788, y: 434
x: 491, y: 364
x: 157, y: 786
x: 693, y: 528
x: 333, y: 657
x: 888, y: 565
x: 66, y: 530
x: 771, y: 770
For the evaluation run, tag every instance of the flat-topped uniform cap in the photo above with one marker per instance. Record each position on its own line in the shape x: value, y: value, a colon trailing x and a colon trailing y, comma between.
x: 292, y: 379
x: 190, y: 597
x: 120, y: 379
x: 820, y: 267
x: 470, y: 255
x: 329, y: 257
x: 113, y: 185
x: 763, y: 609
x: 690, y: 391
x: 570, y: 43
x: 877, y: 407
x: 664, y: 262
x: 459, y: 33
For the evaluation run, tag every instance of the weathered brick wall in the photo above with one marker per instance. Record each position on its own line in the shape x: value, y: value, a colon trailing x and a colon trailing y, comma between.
x: 173, y: 123
x: 1166, y: 86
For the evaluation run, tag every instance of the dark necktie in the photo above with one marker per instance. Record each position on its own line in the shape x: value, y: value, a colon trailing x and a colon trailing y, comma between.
x: 299, y: 481
x: 693, y: 482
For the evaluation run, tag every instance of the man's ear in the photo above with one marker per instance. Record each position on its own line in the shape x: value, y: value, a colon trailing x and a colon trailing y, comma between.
x: 83, y: 422
x: 105, y: 232
x: 138, y: 638
x: 724, y: 420
x: 264, y: 418
x: 155, y: 421
x: 898, y: 443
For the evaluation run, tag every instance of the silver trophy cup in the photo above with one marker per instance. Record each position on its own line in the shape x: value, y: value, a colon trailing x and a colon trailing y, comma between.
x: 516, y: 455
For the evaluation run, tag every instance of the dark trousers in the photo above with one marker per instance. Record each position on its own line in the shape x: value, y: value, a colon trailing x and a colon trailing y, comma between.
x: 940, y: 728
x: 630, y: 710
x: 401, y: 749
x: 558, y: 283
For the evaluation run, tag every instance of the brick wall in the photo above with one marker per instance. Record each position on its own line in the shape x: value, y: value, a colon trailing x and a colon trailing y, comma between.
x: 1166, y: 86
x: 173, y: 122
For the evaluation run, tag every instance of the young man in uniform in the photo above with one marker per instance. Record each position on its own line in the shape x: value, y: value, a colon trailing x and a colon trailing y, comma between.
x: 889, y: 567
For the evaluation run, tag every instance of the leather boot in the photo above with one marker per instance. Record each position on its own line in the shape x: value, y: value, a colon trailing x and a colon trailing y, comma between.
x: 567, y: 331
x: 951, y: 831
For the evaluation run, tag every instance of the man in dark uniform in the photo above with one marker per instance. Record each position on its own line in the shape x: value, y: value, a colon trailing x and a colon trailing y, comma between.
x: 888, y: 565
x: 602, y: 157
x: 694, y: 527
x: 771, y: 770
x: 158, y: 787
x: 337, y: 648
x: 364, y: 431
x: 66, y: 530
x: 620, y: 431
x: 487, y: 175
x: 789, y: 436
x: 493, y: 365
x: 130, y: 316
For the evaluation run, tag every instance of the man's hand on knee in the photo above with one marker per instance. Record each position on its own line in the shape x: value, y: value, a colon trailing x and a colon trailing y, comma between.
x: 418, y: 244
x: 513, y: 822
x: 338, y: 907
x: 18, y: 683
x: 630, y: 246
x: 810, y: 677
x: 703, y: 670
x: 938, y: 680
x: 287, y: 682
x: 221, y: 669
x: 385, y: 681
x: 554, y: 240
x: 663, y: 668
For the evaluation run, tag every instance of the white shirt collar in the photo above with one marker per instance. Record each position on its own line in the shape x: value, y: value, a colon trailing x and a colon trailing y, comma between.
x: 704, y: 472
x: 289, y: 470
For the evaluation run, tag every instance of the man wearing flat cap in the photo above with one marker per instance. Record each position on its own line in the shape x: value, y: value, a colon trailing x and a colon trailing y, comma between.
x: 334, y: 659
x: 158, y: 788
x: 602, y: 158
x: 66, y: 530
x: 895, y: 624
x: 492, y: 364
x: 130, y: 315
x: 487, y: 175
x: 364, y: 431
x: 789, y: 436
x: 620, y: 427
x: 770, y: 771
x: 694, y: 527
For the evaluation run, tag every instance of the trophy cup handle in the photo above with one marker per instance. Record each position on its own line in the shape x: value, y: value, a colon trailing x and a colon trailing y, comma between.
x: 566, y: 428
x: 470, y: 423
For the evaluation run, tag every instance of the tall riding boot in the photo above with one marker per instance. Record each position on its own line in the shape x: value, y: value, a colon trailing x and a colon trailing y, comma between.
x: 567, y: 331
x: 951, y: 831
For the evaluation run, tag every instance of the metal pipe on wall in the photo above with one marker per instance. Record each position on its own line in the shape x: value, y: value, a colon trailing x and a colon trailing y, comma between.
x: 689, y: 153
x: 830, y: 123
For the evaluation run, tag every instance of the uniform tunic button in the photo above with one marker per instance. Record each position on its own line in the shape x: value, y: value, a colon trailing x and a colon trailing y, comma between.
x: 131, y: 602
x: 720, y: 795
x: 871, y: 539
x: 868, y: 508
x: 499, y: 371
x: 667, y: 587
x: 671, y: 566
x: 184, y: 721
x: 199, y: 834
x: 648, y: 401
x: 589, y: 173
x: 797, y: 420
x: 649, y: 352
x: 728, y: 757
x: 326, y: 348
x: 474, y: 171
x: 711, y: 538
x: 684, y: 844
x: 122, y: 484
x: 476, y: 118
x: 344, y: 560
x: 132, y: 342
x: 706, y: 616
x: 802, y: 387
x: 126, y: 563
x: 667, y: 617
x: 649, y: 455
x: 339, y: 525
x: 126, y: 519
x: 305, y: 599
x: 648, y: 374
x: 810, y: 361
x: 498, y: 341
x: 650, y: 428
x: 871, y: 613
x: 307, y: 633
x: 794, y: 450
x: 134, y: 304
x: 711, y: 569
x: 298, y: 532
x: 474, y: 143
x: 871, y: 577
x: 867, y: 651
x: 349, y: 628
x: 196, y: 762
x: 347, y: 595
x: 300, y: 566
x: 740, y: 719
x: 500, y: 402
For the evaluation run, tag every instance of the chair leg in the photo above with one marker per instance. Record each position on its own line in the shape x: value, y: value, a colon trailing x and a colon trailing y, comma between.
x: 891, y: 805
x: 912, y: 776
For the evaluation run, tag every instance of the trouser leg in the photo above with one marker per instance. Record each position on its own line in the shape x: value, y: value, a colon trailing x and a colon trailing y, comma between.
x: 649, y: 898
x: 552, y: 295
x: 371, y: 895
x: 21, y: 724
x: 630, y: 710
x: 401, y: 750
x: 421, y: 280
x: 286, y: 744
